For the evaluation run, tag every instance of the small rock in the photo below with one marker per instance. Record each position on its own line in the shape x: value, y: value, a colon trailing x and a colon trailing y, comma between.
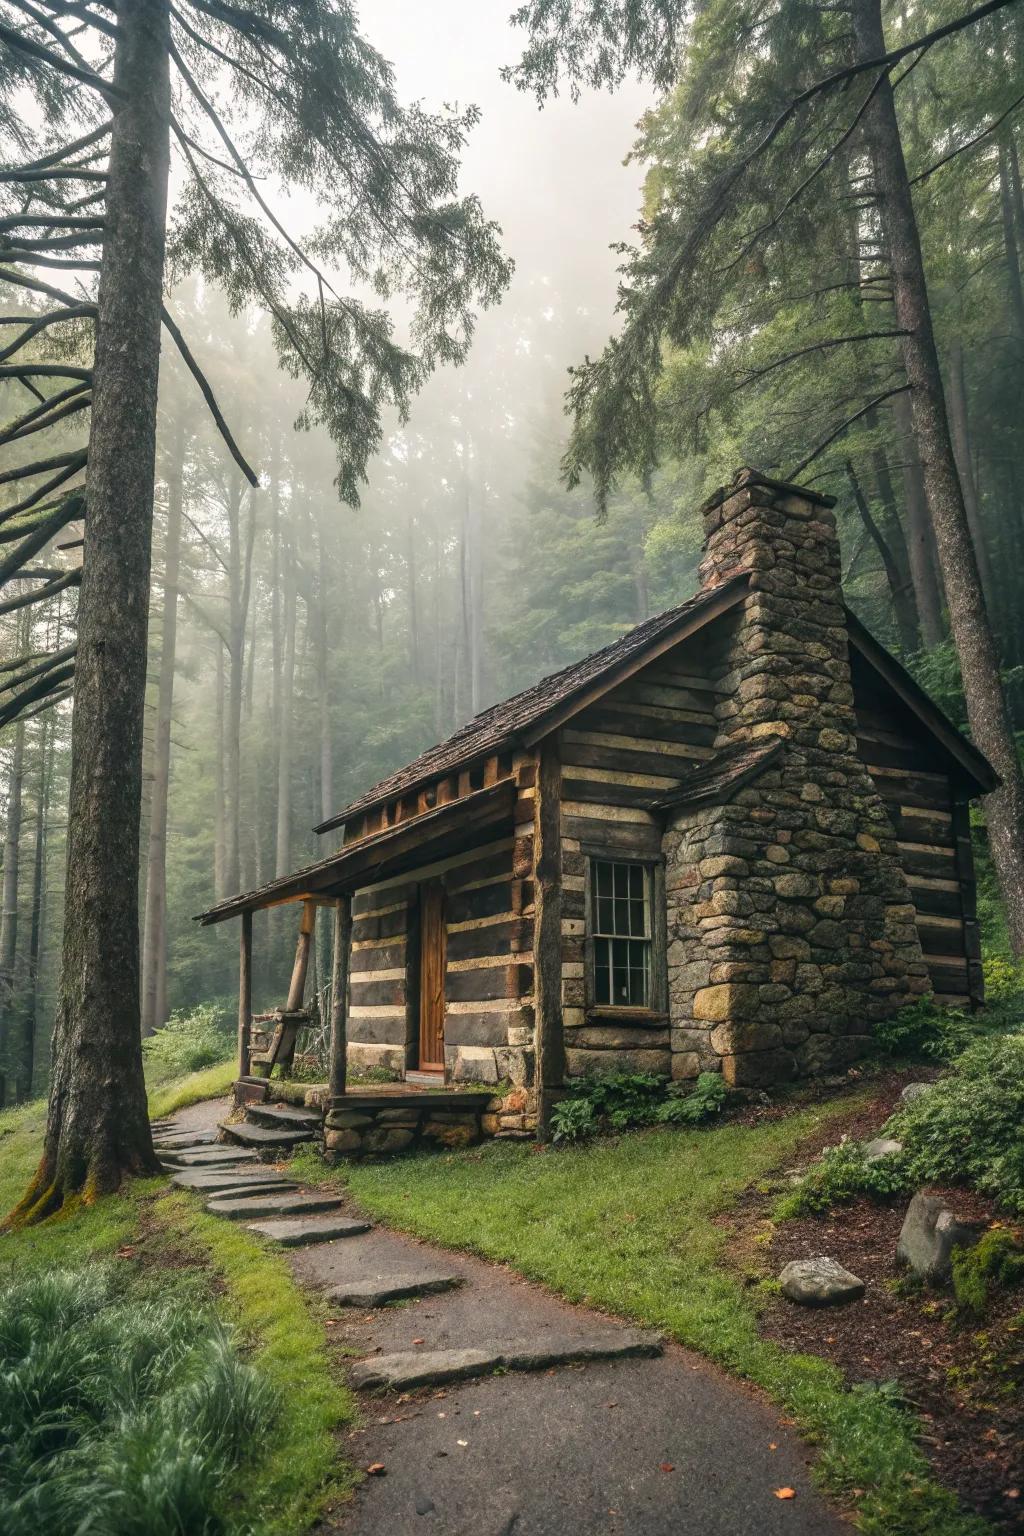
x: 914, y: 1091
x: 819, y: 1283
x: 882, y: 1146
x: 928, y: 1236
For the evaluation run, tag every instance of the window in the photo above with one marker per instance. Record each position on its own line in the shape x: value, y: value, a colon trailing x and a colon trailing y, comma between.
x: 620, y: 934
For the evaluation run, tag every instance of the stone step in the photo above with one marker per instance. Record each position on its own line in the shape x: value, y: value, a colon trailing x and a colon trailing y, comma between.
x: 208, y: 1157
x: 284, y: 1117
x: 405, y: 1371
x: 182, y: 1140
x: 300, y: 1232
x: 381, y: 1289
x: 283, y: 1203
x: 238, y: 1182
x: 262, y: 1138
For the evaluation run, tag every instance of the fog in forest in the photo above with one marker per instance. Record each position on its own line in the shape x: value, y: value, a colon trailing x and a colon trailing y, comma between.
x: 301, y: 648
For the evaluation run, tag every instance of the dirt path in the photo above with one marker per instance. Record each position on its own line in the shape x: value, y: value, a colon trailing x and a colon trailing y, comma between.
x: 661, y: 1446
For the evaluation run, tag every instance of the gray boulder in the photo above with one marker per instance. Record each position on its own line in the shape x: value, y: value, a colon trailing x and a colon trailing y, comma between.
x: 929, y: 1234
x: 914, y: 1091
x: 819, y: 1283
x: 882, y: 1146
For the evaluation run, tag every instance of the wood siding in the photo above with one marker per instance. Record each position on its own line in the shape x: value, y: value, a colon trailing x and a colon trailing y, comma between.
x: 929, y: 818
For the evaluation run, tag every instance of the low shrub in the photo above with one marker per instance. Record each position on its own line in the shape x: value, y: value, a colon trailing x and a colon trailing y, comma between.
x: 123, y: 1415
x: 925, y: 1032
x: 843, y: 1173
x: 996, y: 1262
x: 190, y: 1041
x: 618, y: 1101
x: 969, y: 1127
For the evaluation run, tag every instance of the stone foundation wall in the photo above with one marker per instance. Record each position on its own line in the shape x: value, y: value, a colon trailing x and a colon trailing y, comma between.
x: 355, y: 1130
x: 790, y: 923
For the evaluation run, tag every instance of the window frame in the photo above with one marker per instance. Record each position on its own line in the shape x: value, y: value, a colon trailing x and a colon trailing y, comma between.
x: 654, y: 875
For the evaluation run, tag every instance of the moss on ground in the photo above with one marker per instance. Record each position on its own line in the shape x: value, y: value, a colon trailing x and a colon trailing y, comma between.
x: 629, y: 1225
x: 179, y: 1093
x: 282, y: 1327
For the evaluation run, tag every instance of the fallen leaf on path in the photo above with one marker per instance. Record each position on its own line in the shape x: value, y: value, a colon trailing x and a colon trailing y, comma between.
x: 785, y: 1493
x: 667, y: 1466
x: 417, y: 1341
x: 773, y: 1446
x: 376, y: 1469
x: 462, y: 1442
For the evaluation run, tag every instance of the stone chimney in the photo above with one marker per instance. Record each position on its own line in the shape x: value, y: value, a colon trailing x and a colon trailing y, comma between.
x: 791, y: 926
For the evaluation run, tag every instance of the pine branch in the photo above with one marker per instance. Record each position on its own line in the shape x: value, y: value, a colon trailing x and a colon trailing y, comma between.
x: 68, y: 402
x: 45, y: 685
x: 963, y: 148
x: 25, y: 471
x: 56, y: 173
x: 76, y: 312
x: 53, y: 659
x: 71, y: 578
x: 818, y: 346
x: 41, y: 492
x: 828, y: 441
x: 45, y: 370
x: 65, y: 512
x: 208, y: 395
x: 21, y: 44
x: 75, y: 147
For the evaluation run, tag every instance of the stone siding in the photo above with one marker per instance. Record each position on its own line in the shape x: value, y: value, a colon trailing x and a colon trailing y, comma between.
x: 790, y: 923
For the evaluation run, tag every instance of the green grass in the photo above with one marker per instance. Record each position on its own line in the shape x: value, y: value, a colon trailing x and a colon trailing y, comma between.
x: 208, y: 1083
x: 151, y: 1230
x: 628, y: 1226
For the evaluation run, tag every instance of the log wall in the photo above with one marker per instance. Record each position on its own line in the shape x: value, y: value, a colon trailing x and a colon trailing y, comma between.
x: 634, y: 743
x: 933, y: 833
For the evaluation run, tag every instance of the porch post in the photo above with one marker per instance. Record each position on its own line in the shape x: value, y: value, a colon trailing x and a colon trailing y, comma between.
x: 297, y: 989
x: 339, y: 994
x: 244, y: 994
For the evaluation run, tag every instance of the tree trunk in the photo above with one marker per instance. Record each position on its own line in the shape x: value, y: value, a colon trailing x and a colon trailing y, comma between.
x: 906, y: 619
x: 27, y: 1066
x: 9, y: 915
x: 920, y: 539
x: 284, y: 734
x: 220, y: 815
x: 154, y: 945
x: 1011, y: 252
x: 326, y: 744
x: 239, y: 588
x: 960, y: 428
x: 972, y: 633
x: 97, y: 1128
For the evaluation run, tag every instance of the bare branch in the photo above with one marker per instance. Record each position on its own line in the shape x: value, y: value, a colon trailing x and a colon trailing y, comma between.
x: 72, y: 578
x: 827, y: 442
x: 42, y: 323
x: 208, y: 395
x: 67, y: 403
x: 818, y: 346
x: 47, y: 684
x: 65, y: 512
x: 42, y: 491
x: 74, y: 148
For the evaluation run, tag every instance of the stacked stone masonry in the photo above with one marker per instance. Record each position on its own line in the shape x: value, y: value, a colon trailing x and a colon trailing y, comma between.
x: 791, y: 924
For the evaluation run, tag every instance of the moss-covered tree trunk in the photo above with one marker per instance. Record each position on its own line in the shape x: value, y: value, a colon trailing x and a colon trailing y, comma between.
x: 97, y: 1129
x: 968, y: 618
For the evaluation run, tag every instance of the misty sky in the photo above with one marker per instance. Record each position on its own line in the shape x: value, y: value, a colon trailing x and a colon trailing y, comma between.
x: 553, y: 179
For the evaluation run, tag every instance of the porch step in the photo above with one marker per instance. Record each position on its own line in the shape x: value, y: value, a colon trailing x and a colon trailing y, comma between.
x: 284, y: 1117
x: 238, y: 1182
x: 278, y: 1203
x: 181, y: 1140
x: 300, y: 1232
x: 413, y: 1368
x: 208, y: 1157
x: 263, y: 1139
x: 378, y: 1291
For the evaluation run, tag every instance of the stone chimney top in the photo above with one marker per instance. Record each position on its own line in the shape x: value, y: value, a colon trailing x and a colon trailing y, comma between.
x: 757, y: 523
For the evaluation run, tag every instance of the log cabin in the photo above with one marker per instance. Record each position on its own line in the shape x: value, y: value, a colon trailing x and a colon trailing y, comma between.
x: 733, y: 840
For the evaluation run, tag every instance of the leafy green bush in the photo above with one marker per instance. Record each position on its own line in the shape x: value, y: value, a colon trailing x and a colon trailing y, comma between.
x: 618, y: 1100
x: 969, y: 1127
x: 123, y: 1416
x: 843, y: 1173
x: 190, y: 1041
x: 925, y: 1031
x: 996, y: 1262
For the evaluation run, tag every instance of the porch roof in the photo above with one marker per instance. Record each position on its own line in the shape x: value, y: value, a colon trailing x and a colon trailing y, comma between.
x: 389, y: 852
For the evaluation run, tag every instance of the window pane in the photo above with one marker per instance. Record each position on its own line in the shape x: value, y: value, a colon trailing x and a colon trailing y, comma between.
x: 620, y: 918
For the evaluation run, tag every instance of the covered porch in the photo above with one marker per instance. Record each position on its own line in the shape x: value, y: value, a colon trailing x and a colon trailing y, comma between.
x: 361, y: 1115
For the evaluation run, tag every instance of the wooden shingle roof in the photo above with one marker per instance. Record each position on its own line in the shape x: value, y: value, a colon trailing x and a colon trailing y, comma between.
x: 512, y: 720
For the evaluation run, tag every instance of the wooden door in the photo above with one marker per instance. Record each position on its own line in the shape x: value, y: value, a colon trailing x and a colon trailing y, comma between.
x: 433, y: 946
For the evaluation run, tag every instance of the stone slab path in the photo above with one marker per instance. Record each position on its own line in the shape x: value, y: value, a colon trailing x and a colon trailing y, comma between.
x: 497, y: 1409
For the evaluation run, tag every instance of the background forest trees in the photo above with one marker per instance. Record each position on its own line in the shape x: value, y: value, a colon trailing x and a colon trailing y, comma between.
x: 298, y: 650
